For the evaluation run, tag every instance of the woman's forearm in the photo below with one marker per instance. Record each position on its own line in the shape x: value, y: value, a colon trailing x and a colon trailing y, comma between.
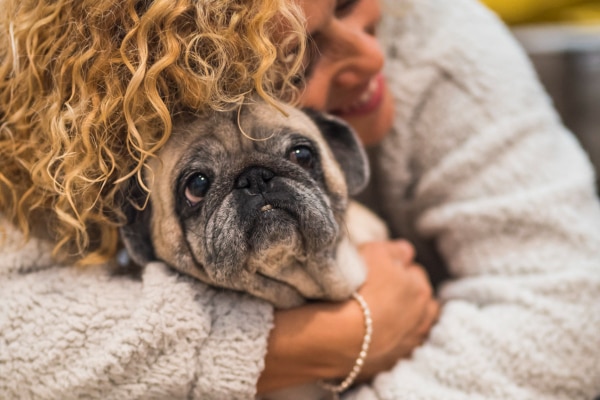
x: 316, y: 341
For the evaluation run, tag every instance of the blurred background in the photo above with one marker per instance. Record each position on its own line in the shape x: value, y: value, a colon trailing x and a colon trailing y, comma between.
x: 562, y: 38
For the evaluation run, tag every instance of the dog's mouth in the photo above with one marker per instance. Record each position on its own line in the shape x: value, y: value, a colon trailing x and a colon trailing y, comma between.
x: 271, y: 225
x: 298, y: 219
x: 279, y: 226
x: 266, y: 207
x: 273, y: 210
x: 281, y: 204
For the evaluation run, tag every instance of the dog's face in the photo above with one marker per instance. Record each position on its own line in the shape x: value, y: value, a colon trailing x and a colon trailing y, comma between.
x: 263, y: 216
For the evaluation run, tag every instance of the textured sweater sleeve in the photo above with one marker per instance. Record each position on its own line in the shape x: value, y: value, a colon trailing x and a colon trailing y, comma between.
x: 69, y: 333
x: 481, y: 166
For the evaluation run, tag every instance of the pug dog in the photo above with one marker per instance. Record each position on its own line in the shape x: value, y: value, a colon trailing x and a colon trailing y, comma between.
x: 257, y: 200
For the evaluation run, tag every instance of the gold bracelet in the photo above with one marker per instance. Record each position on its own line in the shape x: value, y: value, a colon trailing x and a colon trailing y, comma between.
x: 360, y: 360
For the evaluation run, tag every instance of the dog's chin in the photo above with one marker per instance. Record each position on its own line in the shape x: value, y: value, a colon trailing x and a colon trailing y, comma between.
x: 273, y: 226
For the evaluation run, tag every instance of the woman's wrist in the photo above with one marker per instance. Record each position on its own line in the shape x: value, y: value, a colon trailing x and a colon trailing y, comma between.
x: 318, y: 341
x: 362, y: 356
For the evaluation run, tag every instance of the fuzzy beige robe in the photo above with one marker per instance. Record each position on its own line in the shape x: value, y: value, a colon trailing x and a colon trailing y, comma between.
x: 480, y: 171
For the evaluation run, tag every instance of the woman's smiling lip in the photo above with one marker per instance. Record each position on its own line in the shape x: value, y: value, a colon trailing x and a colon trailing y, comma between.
x: 368, y: 101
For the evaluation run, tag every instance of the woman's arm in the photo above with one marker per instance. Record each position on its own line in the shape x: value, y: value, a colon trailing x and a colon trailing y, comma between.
x: 69, y: 333
x: 322, y: 340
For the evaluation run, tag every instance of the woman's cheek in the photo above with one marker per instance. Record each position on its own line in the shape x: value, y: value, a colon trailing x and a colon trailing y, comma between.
x: 315, y: 94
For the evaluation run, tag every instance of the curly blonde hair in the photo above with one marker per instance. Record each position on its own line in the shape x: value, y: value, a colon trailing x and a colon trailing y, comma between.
x: 88, y: 89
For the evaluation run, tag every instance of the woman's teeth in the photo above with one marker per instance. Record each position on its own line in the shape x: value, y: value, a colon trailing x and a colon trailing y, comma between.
x: 364, y: 98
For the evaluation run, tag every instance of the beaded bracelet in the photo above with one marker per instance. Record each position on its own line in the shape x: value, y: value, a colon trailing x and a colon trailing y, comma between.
x: 360, y: 360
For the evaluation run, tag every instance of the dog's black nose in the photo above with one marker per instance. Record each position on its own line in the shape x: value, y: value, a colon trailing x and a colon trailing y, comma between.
x: 254, y: 179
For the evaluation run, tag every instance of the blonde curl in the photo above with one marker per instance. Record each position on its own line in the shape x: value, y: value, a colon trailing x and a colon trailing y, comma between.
x: 88, y: 90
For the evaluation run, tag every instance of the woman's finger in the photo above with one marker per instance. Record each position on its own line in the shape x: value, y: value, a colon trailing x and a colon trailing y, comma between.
x: 402, y: 251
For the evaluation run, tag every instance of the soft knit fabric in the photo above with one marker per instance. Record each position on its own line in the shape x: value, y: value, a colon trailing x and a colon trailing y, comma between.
x: 478, y: 169
x: 67, y: 333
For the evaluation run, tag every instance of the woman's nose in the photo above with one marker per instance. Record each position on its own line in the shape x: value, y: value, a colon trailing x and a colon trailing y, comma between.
x: 363, y: 60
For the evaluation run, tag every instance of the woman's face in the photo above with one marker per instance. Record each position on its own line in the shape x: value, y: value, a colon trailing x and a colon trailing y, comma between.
x: 344, y: 69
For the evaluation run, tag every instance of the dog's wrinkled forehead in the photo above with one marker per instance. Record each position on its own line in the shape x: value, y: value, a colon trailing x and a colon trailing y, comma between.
x: 221, y: 136
x: 226, y: 143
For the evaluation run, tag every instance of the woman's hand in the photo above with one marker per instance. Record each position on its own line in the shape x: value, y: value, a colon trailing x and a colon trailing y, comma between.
x: 399, y: 295
x: 322, y: 340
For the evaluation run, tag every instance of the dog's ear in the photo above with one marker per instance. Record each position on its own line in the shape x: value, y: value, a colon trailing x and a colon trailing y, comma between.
x: 346, y: 147
x: 135, y: 234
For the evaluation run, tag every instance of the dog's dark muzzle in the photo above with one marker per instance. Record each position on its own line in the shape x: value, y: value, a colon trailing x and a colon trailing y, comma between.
x: 274, y: 206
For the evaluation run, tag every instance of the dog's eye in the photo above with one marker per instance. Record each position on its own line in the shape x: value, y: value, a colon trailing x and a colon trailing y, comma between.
x: 303, y: 156
x: 196, y: 188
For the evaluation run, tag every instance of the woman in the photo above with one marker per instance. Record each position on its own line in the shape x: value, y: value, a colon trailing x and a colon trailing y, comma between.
x: 470, y: 172
x: 478, y: 168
